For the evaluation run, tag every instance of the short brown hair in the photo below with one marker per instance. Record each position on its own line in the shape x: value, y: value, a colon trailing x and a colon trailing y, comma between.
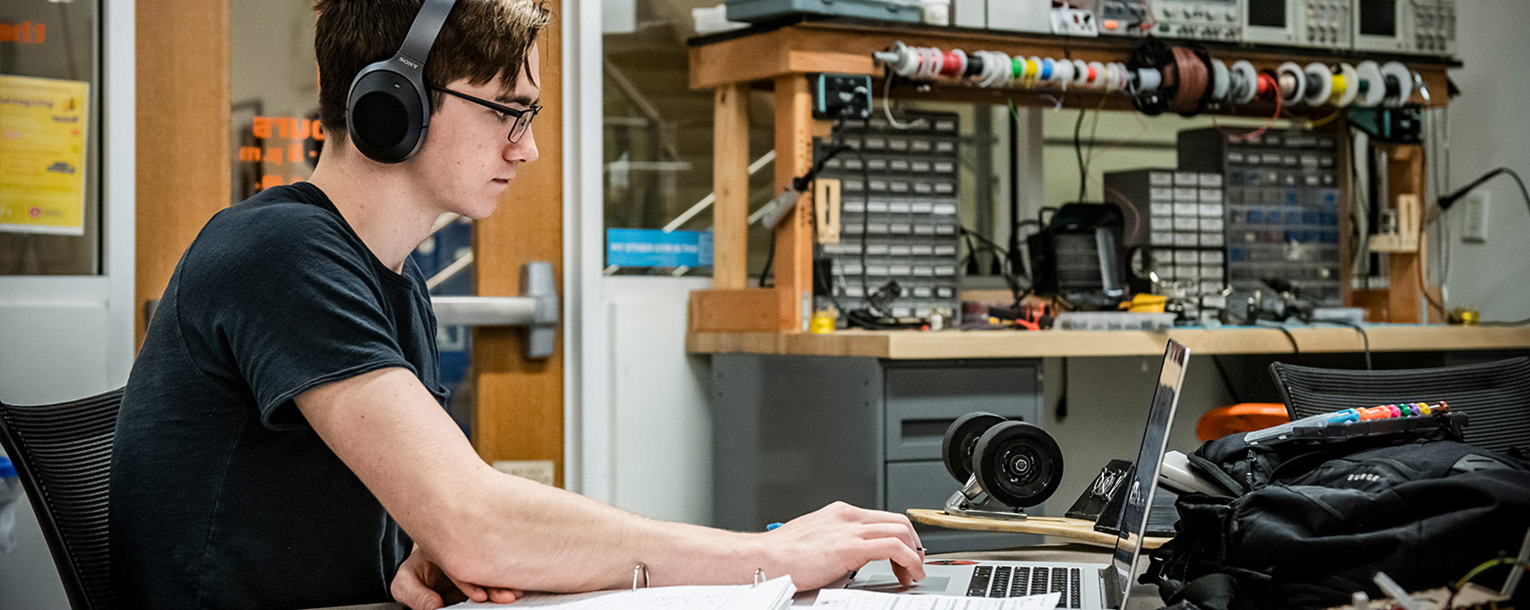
x: 481, y: 39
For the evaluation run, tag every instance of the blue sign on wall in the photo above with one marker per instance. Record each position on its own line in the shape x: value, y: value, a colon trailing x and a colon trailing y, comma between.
x: 655, y: 248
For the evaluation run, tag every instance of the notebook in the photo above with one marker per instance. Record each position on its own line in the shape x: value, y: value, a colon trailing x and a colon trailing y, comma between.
x: 774, y: 594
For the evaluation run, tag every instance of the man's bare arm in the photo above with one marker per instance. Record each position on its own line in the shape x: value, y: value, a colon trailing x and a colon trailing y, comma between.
x: 498, y: 530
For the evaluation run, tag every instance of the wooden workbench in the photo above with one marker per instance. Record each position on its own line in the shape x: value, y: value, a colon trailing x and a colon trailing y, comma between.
x: 915, y: 345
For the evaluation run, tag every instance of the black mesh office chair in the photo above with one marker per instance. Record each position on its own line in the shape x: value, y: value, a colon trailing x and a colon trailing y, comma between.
x: 63, y: 454
x: 1495, y: 395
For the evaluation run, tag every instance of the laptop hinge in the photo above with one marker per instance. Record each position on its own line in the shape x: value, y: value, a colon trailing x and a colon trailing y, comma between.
x: 1111, y: 596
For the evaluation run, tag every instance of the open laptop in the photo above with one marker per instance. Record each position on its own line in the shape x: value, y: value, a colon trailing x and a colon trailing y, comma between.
x: 1083, y: 585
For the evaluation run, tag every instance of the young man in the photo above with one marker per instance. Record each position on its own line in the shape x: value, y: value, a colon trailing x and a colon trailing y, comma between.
x: 283, y: 426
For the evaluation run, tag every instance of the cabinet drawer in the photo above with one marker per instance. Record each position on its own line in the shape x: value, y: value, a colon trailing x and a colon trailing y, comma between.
x: 922, y: 401
x: 924, y: 484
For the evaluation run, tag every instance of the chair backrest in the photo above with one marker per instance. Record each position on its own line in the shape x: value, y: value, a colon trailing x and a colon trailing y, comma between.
x: 62, y: 454
x: 1495, y: 395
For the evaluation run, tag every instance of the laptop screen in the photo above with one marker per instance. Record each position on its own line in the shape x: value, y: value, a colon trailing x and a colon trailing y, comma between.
x: 1134, y: 513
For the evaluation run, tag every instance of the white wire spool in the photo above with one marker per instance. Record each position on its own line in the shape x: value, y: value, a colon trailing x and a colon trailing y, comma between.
x: 1292, y: 81
x: 1319, y: 84
x: 996, y: 69
x: 1370, y: 87
x: 1246, y: 80
x: 1063, y: 72
x: 1395, y: 70
x: 1080, y: 72
x: 1221, y: 81
x: 1148, y: 79
x: 1112, y: 79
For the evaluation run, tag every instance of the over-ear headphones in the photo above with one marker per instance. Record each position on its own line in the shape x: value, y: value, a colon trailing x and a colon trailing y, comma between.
x: 388, y: 110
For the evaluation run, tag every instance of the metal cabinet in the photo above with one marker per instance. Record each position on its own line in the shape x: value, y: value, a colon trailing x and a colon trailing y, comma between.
x: 793, y: 433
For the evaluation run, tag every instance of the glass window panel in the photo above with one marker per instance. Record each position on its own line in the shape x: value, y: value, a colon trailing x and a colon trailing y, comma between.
x: 50, y: 138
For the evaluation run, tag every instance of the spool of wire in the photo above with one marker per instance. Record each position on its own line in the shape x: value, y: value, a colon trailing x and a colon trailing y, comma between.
x: 1184, y: 78
x: 1399, y: 84
x: 1245, y: 82
x: 1318, y: 85
x: 954, y: 63
x: 1370, y: 87
x: 1080, y: 73
x: 973, y: 71
x: 1345, y: 86
x: 1148, y: 80
x: 899, y: 59
x: 1064, y: 73
x: 1096, y: 74
x: 996, y: 70
x: 1221, y: 81
x: 1292, y: 82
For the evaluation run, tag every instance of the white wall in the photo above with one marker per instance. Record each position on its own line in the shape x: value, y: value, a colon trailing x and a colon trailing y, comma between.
x: 661, y: 430
x: 1488, y: 130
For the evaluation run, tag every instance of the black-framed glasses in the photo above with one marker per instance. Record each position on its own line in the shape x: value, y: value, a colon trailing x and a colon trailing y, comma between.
x: 522, y: 117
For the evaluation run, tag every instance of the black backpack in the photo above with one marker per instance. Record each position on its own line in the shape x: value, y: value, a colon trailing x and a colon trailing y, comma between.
x: 1311, y: 523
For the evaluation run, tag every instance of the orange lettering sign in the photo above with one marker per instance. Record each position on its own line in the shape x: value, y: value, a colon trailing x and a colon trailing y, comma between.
x: 25, y: 32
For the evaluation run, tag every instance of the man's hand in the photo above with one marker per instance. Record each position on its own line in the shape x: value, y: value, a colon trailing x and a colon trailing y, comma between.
x: 823, y: 546
x: 422, y: 585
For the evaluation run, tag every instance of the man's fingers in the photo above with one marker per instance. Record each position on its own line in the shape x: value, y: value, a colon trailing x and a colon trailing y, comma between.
x: 889, y: 530
x: 900, y: 554
x: 409, y: 590
x: 504, y: 596
x: 472, y: 591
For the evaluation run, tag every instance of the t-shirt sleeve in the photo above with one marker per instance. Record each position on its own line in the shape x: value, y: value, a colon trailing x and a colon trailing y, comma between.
x: 289, y: 309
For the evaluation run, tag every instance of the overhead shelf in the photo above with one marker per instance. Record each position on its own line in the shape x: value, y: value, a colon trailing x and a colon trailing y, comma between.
x: 845, y: 46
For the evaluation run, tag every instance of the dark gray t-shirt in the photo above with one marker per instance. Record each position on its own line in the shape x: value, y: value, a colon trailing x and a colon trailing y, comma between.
x: 222, y: 496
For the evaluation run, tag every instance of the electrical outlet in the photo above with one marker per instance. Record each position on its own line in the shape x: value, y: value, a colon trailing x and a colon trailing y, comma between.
x: 1474, y: 222
x: 841, y: 96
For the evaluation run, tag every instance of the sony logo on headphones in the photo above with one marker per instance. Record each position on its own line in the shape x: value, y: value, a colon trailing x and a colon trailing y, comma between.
x: 409, y: 62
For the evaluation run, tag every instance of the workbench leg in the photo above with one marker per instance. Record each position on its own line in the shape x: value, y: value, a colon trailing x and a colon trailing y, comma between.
x: 1405, y: 176
x: 794, y: 236
x: 730, y: 184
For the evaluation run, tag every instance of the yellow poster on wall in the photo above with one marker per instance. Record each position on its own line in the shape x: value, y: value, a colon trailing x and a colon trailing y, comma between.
x: 43, y: 133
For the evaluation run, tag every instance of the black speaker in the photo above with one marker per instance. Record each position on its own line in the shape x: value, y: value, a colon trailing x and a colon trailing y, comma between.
x: 387, y: 113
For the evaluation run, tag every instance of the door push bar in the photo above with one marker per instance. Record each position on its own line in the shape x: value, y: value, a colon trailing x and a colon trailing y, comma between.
x: 536, y: 309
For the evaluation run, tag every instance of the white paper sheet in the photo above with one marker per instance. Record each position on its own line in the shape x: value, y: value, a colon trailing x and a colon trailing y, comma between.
x: 773, y: 594
x: 852, y: 599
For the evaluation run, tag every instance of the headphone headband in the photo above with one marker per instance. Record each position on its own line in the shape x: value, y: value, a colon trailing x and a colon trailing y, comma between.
x: 423, y: 32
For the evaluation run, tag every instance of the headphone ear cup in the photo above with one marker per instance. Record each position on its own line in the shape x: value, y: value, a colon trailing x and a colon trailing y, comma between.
x: 386, y: 114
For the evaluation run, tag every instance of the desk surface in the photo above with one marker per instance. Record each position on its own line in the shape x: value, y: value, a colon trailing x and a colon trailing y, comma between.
x: 904, y: 345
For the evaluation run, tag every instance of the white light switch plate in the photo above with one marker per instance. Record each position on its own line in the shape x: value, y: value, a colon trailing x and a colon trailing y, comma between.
x: 1474, y: 222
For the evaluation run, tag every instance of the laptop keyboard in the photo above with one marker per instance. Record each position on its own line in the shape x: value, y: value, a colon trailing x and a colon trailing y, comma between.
x: 1019, y: 581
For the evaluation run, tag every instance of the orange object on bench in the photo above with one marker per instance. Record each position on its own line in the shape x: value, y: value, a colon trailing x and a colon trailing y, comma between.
x: 1241, y: 417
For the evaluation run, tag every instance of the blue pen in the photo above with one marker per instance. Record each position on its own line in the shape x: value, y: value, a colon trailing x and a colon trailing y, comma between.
x: 773, y: 526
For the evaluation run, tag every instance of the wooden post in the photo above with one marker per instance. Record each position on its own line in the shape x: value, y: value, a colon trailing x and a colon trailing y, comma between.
x: 518, y: 412
x: 794, y: 236
x: 730, y: 185
x: 183, y: 156
x: 1405, y: 176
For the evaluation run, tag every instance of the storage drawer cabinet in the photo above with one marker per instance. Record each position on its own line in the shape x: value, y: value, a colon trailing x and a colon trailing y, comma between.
x: 792, y: 433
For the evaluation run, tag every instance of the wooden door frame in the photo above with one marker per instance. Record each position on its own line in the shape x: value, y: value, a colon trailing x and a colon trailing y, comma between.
x: 519, y: 414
